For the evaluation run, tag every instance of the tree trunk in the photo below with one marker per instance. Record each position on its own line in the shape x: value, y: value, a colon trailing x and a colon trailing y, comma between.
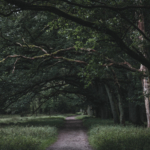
x: 89, y: 111
x: 145, y: 80
x: 112, y: 104
x: 135, y: 114
x: 145, y: 84
x: 135, y: 111
x: 121, y: 109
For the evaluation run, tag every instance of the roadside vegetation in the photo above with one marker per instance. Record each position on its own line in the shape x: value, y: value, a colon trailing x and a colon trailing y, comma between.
x: 82, y: 116
x: 29, y: 133
x: 104, y: 135
x: 30, y: 120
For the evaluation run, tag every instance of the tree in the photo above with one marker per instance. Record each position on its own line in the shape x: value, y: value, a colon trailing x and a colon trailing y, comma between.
x: 112, y: 32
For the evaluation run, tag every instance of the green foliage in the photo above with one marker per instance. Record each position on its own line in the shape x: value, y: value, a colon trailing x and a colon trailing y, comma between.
x: 57, y: 121
x: 79, y: 113
x: 23, y: 138
x: 104, y: 135
x: 30, y: 133
x: 119, y: 138
x: 40, y: 69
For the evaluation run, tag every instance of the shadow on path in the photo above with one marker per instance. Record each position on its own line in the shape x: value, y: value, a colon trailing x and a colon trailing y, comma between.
x: 72, y: 137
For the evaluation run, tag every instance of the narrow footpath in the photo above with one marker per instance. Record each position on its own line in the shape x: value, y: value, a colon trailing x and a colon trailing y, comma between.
x: 72, y: 137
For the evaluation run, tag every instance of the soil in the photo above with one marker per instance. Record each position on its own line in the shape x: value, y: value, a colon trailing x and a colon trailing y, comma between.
x: 72, y: 137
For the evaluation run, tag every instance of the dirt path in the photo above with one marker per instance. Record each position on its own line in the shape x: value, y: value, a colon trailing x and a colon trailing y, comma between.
x: 72, y: 137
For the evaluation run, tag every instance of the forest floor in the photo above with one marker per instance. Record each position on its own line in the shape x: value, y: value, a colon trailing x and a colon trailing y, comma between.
x: 73, y: 136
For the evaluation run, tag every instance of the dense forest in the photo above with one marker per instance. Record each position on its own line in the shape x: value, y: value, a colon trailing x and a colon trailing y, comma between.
x: 70, y: 55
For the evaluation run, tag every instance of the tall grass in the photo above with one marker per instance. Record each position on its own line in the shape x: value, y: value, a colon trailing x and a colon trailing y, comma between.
x: 104, y: 135
x: 26, y: 138
x: 29, y: 133
x: 17, y: 118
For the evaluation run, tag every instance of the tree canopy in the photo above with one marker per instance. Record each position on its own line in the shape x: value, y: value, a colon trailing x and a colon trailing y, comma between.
x: 73, y: 48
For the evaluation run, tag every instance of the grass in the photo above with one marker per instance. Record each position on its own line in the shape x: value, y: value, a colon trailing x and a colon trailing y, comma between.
x: 68, y: 115
x: 79, y: 113
x: 27, y: 138
x: 92, y: 121
x: 82, y: 117
x: 29, y: 133
x: 104, y: 135
x: 33, y: 121
x: 14, y: 119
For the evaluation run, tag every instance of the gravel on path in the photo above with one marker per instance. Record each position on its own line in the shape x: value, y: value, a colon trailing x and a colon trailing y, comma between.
x: 72, y: 137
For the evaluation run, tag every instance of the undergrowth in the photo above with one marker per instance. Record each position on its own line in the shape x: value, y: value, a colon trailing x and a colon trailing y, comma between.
x: 82, y: 117
x: 79, y: 113
x: 104, y: 135
x: 26, y: 138
x: 47, y: 120
x: 34, y: 133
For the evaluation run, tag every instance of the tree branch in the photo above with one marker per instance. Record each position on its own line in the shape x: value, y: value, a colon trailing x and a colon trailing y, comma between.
x: 103, y: 5
x: 125, y: 65
x: 99, y: 27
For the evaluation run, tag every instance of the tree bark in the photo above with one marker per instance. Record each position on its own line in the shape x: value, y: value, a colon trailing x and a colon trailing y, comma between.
x: 121, y: 109
x: 145, y: 84
x: 145, y: 80
x: 135, y: 111
x: 112, y: 104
